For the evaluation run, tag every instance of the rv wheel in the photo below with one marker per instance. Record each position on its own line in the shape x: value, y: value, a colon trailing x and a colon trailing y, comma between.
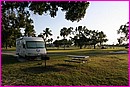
x: 20, y: 58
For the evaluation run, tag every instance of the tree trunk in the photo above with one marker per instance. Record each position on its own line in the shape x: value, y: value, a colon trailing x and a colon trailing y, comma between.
x: 81, y: 46
x: 100, y: 43
x: 64, y: 46
x: 10, y: 46
x: 64, y: 43
x: 6, y: 44
x: 94, y: 46
x: 85, y: 46
x: 45, y: 45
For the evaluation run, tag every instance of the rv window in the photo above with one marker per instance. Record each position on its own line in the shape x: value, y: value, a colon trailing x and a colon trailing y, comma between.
x: 35, y: 44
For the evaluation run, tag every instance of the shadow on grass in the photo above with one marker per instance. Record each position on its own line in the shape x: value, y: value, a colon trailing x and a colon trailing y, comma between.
x: 66, y: 65
x: 8, y: 59
x: 41, y: 69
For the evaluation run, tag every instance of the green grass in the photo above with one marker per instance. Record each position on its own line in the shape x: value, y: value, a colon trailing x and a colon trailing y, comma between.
x: 102, y: 68
x: 60, y: 48
x: 9, y: 49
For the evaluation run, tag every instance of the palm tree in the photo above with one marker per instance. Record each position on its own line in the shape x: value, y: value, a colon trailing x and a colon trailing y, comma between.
x: 46, y: 34
x: 93, y: 38
x: 65, y: 32
x: 81, y: 33
x: 102, y: 37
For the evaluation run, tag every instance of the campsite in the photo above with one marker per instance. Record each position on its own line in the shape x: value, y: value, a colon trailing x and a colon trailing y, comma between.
x: 102, y: 68
x: 64, y: 43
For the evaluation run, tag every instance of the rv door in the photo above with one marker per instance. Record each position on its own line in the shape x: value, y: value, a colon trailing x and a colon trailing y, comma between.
x: 24, y: 48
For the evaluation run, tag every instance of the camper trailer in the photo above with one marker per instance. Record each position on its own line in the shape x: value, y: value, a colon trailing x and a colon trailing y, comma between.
x: 30, y: 47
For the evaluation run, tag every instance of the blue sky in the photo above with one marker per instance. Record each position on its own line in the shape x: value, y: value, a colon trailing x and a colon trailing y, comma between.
x: 106, y: 16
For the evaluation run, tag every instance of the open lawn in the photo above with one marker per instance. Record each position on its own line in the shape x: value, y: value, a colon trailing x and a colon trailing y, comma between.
x: 102, y: 68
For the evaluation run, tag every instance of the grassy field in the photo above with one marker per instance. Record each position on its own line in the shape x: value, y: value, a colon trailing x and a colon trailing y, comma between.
x: 102, y: 68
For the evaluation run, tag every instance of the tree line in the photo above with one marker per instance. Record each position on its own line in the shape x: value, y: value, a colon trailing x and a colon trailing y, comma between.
x: 81, y: 36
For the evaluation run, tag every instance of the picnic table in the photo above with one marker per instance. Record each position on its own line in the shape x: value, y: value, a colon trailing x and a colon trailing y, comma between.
x: 77, y: 59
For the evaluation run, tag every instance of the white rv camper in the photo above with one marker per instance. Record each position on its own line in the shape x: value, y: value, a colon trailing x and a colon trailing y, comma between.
x: 30, y: 47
